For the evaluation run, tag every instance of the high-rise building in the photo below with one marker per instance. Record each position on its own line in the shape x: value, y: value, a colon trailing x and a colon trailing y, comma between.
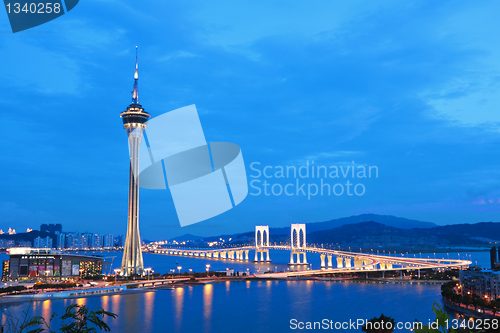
x: 120, y: 240
x: 134, y: 121
x: 108, y: 241
x: 42, y: 243
x: 51, y: 228
x: 94, y: 241
x: 61, y: 240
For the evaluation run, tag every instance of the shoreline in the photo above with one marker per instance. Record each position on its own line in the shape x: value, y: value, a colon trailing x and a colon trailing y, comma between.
x: 468, y: 311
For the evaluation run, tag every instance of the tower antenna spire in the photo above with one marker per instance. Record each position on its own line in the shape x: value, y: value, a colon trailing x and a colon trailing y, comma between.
x: 135, y: 92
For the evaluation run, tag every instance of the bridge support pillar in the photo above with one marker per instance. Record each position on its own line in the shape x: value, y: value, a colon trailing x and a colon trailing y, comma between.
x: 340, y: 262
x: 348, y: 262
x: 322, y: 256
x: 299, y: 262
x: 246, y: 255
x: 330, y: 264
x: 262, y: 254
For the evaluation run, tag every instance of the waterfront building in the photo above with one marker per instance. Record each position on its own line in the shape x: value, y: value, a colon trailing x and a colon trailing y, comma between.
x: 134, y: 121
x: 6, y: 243
x: 61, y: 240
x: 94, y: 241
x: 45, y: 242
x: 108, y: 241
x: 26, y: 263
x: 120, y: 240
x: 75, y: 240
x: 494, y: 258
x: 483, y: 283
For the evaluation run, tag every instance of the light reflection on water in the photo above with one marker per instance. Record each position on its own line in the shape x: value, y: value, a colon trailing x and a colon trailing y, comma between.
x: 149, y: 310
x: 179, y: 301
x: 254, y: 306
x: 47, y: 309
x: 207, y: 306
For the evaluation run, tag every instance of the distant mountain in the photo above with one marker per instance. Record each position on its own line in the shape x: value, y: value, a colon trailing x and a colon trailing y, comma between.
x: 29, y: 236
x: 186, y: 237
x: 373, y: 234
x: 377, y: 231
x: 388, y: 220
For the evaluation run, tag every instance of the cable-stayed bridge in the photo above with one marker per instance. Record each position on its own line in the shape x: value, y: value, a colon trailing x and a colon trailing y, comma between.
x: 345, y: 262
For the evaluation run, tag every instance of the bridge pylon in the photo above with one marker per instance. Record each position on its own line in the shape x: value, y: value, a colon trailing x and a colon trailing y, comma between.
x: 261, y: 243
x: 298, y: 243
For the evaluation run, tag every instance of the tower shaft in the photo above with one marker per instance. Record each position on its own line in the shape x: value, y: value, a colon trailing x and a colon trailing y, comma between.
x: 132, y: 262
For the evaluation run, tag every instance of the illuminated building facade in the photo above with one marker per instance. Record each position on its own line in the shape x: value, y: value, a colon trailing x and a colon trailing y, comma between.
x: 26, y: 263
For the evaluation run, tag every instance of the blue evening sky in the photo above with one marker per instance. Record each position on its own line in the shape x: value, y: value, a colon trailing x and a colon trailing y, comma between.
x: 410, y: 87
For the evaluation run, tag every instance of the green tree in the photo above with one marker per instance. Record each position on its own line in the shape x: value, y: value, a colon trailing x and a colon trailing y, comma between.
x: 76, y: 319
x: 475, y: 300
x: 439, y: 325
x: 382, y: 324
x: 495, y: 305
x: 467, y: 300
x: 85, y: 321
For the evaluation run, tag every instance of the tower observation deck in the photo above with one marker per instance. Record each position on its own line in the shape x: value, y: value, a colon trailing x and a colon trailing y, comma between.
x: 134, y: 121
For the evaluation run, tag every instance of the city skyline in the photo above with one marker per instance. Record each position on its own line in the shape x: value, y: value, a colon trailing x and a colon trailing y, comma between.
x: 409, y: 88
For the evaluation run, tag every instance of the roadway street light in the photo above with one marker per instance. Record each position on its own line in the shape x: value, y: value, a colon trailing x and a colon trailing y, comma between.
x: 147, y: 270
x: 179, y: 268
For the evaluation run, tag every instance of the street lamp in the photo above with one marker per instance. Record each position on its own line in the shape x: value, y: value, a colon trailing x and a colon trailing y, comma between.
x: 117, y: 270
x: 147, y: 270
x: 208, y: 268
x: 179, y: 268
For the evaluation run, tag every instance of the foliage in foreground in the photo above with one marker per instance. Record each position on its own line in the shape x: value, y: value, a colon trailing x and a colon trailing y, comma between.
x: 382, y: 324
x: 440, y: 324
x: 76, y: 319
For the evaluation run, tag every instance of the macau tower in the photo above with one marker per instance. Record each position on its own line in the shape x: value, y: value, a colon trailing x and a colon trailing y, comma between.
x: 134, y: 121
